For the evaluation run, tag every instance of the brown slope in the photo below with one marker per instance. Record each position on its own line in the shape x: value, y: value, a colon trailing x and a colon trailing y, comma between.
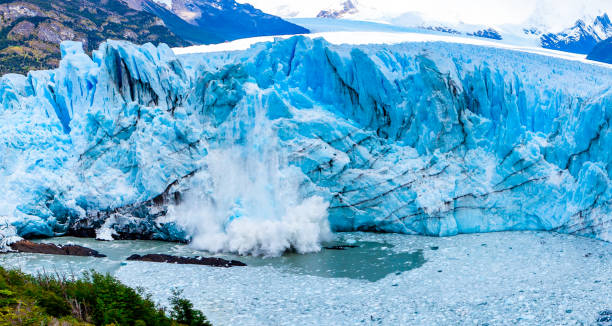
x: 30, y: 31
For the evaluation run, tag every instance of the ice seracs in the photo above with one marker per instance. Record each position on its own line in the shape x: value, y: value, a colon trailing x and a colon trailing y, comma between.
x: 420, y: 137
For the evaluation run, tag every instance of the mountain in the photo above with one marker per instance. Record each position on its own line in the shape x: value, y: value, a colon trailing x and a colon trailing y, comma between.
x: 602, y: 51
x: 580, y: 38
x: 188, y: 31
x: 32, y: 30
x: 266, y: 149
x: 541, y: 24
x: 347, y: 8
x: 485, y: 33
x: 215, y: 21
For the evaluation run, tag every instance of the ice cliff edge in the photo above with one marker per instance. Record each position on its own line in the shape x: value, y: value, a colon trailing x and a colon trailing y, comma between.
x: 419, y: 138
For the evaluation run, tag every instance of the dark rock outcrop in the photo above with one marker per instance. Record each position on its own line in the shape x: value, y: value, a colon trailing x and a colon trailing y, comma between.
x: 602, y: 51
x: 52, y: 249
x: 160, y: 258
x: 341, y: 247
x: 487, y: 33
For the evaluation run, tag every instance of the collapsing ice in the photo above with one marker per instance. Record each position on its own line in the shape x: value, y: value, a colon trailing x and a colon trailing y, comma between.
x: 264, y: 150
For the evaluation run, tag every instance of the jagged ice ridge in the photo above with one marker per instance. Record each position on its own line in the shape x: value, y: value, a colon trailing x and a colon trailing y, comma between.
x: 264, y: 150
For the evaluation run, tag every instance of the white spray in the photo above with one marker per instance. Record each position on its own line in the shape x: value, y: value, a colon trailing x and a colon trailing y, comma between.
x: 247, y: 199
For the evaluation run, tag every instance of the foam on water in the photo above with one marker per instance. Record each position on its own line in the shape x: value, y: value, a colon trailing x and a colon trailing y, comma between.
x: 247, y: 200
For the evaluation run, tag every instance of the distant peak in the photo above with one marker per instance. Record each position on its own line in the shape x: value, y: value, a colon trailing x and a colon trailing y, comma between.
x: 348, y: 7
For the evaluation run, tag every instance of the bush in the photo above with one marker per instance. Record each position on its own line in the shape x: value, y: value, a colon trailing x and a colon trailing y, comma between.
x: 53, y: 304
x: 95, y: 299
x: 22, y: 313
x: 119, y: 304
x: 183, y: 312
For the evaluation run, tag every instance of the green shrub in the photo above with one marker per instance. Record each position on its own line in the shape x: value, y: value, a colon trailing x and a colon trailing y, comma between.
x: 183, y: 312
x: 53, y: 304
x: 119, y: 304
x: 95, y: 298
x: 22, y: 313
x: 7, y: 298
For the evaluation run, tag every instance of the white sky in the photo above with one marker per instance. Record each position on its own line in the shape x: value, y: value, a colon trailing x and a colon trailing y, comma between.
x: 554, y: 14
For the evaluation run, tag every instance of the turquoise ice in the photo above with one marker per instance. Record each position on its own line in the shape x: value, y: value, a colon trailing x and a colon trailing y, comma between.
x: 419, y: 138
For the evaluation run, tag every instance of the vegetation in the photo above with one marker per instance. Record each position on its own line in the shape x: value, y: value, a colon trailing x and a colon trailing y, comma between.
x: 183, y: 312
x: 30, y: 36
x: 95, y: 299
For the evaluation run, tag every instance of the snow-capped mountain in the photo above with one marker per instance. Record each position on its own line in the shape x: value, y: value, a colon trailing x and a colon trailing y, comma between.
x: 215, y: 21
x: 580, y: 38
x: 583, y: 26
x: 346, y: 8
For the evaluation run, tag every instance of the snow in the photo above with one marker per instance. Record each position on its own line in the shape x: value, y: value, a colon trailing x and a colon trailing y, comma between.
x: 375, y: 37
x: 518, y: 278
x: 575, y: 26
x: 547, y: 15
x: 425, y: 134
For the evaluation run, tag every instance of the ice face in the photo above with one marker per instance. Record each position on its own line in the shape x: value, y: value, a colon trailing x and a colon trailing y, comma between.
x: 419, y: 138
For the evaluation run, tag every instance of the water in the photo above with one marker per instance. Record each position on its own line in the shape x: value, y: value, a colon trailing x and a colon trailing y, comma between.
x: 517, y: 278
x: 370, y: 261
x: 361, y: 260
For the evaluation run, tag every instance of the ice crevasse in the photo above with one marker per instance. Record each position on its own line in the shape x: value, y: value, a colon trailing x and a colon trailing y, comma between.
x: 267, y: 149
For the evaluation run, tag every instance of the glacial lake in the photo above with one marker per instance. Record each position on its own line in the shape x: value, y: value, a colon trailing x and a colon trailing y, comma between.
x: 508, y: 278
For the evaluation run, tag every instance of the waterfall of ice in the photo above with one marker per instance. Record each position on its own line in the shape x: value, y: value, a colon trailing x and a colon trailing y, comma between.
x: 247, y: 200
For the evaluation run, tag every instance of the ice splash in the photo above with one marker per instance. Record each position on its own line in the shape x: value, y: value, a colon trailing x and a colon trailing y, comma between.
x: 247, y: 200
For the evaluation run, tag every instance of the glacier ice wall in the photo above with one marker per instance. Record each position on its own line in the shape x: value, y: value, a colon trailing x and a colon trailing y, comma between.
x: 419, y: 138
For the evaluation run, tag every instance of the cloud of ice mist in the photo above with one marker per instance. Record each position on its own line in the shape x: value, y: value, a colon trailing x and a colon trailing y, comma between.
x: 247, y: 199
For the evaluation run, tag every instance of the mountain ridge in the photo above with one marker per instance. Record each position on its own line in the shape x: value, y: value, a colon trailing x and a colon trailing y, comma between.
x: 207, y: 22
x: 32, y: 30
x: 574, y: 34
x: 580, y: 38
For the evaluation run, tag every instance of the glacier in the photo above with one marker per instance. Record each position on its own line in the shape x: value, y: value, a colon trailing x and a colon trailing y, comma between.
x: 267, y: 149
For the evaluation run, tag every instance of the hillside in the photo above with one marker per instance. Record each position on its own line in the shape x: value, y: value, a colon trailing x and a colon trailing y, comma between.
x: 30, y: 31
x: 207, y: 22
x: 602, y: 51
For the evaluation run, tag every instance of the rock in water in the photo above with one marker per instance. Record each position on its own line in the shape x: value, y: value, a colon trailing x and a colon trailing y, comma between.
x: 52, y: 249
x: 161, y: 258
x: 340, y: 247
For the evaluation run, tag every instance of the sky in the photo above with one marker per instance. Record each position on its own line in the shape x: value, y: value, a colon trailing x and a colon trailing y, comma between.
x: 552, y: 14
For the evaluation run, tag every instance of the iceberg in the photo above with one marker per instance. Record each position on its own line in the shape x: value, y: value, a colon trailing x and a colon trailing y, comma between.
x: 268, y: 149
